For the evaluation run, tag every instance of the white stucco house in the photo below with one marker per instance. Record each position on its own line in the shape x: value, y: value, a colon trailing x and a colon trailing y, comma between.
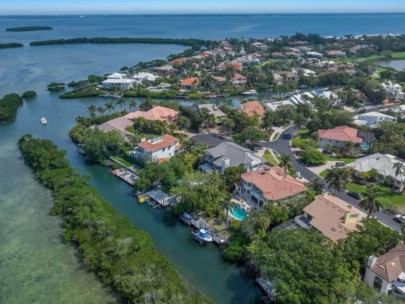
x: 386, y: 273
x: 117, y: 81
x: 158, y: 148
x: 144, y: 76
x: 372, y: 119
x: 384, y: 164
x: 394, y: 90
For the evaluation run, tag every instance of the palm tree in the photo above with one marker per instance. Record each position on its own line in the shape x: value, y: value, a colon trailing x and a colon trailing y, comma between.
x: 227, y: 205
x: 370, y: 201
x: 316, y: 184
x: 132, y: 104
x: 92, y: 109
x: 109, y: 107
x: 338, y: 178
x: 121, y: 102
x: 399, y: 169
x: 285, y: 162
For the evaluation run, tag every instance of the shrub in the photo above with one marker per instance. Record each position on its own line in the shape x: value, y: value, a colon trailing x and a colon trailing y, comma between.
x: 313, y: 157
x: 29, y: 94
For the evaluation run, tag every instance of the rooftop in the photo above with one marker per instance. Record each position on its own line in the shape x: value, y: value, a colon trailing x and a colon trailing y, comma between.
x: 274, y: 183
x: 252, y: 108
x: 390, y: 265
x: 190, y: 81
x: 156, y: 113
x: 117, y: 124
x: 342, y: 133
x: 333, y: 217
x: 158, y: 143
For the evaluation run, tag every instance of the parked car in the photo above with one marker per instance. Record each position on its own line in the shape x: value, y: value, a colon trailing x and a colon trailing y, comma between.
x: 340, y: 164
x: 355, y: 195
x: 399, y: 218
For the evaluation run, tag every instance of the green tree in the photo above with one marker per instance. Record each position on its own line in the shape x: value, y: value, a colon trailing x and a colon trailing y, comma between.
x: 231, y: 176
x: 285, y: 162
x: 253, y: 135
x: 370, y: 201
x: 316, y: 184
x: 227, y: 205
x: 338, y: 178
x: 313, y: 157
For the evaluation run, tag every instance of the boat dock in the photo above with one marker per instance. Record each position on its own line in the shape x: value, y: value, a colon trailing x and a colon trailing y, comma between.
x: 200, y: 223
x: 269, y: 289
x: 157, y: 197
x: 126, y: 175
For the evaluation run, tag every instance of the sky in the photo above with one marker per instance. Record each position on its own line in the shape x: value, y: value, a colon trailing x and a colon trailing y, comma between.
x: 196, y: 6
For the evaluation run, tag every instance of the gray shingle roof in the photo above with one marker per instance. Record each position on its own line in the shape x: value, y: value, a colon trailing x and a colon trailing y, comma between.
x: 236, y: 154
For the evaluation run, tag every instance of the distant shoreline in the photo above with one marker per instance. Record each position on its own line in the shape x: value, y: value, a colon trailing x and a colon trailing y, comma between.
x: 29, y: 28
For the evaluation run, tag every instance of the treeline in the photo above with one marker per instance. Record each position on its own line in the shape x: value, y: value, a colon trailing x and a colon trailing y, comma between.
x: 194, y: 43
x: 29, y: 28
x: 9, y: 105
x: 122, y: 255
x: 11, y: 45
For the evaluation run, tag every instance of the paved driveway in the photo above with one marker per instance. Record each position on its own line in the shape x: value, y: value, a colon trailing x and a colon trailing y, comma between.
x: 282, y: 146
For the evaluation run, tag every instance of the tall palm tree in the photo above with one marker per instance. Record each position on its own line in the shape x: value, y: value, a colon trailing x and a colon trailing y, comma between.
x: 285, y: 162
x: 227, y: 205
x: 109, y: 106
x: 399, y: 169
x: 92, y: 109
x: 132, y: 104
x: 121, y: 102
x: 338, y: 178
x: 370, y: 201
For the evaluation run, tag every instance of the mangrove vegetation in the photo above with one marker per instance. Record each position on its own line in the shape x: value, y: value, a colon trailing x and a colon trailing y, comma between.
x: 8, y: 106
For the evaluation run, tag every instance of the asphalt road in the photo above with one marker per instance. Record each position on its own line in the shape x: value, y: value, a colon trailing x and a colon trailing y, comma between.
x: 282, y: 146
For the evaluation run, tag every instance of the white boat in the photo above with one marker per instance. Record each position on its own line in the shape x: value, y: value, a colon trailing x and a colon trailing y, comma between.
x: 250, y: 92
x: 202, y: 236
x: 44, y: 121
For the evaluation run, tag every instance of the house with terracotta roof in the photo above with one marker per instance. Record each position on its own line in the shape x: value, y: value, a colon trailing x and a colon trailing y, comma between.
x: 155, y: 114
x: 338, y: 137
x: 158, y: 148
x: 270, y: 185
x: 190, y: 84
x: 238, y: 80
x: 331, y: 216
x: 237, y: 66
x: 253, y: 108
x: 336, y: 54
x: 386, y: 273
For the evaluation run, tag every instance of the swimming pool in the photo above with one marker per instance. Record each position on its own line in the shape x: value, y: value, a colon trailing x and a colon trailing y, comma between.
x: 239, y: 213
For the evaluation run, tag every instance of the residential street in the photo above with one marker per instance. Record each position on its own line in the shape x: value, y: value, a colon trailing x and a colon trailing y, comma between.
x: 282, y: 146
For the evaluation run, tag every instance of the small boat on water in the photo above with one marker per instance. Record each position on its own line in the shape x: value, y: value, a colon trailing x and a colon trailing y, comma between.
x: 202, y: 236
x: 186, y: 218
x: 44, y: 121
x: 250, y: 92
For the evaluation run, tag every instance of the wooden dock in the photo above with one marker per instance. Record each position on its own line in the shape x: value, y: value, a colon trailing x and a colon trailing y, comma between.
x: 126, y: 175
x: 200, y: 223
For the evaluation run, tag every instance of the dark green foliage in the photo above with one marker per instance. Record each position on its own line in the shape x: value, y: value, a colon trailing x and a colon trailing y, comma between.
x: 313, y: 157
x: 10, y: 45
x: 231, y: 176
x: 119, y: 253
x: 29, y: 28
x: 8, y: 106
x: 29, y: 94
x: 151, y: 127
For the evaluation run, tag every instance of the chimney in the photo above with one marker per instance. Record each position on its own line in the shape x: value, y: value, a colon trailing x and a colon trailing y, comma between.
x: 371, y: 261
x: 224, y: 164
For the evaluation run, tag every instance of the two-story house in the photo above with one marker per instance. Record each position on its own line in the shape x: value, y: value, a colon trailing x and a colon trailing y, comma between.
x: 372, y: 119
x: 338, y: 137
x: 270, y: 185
x: 229, y: 154
x: 386, y: 273
x: 331, y: 216
x: 190, y: 84
x: 158, y: 148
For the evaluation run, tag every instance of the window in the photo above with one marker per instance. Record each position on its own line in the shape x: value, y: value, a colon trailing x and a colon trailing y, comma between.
x: 378, y: 283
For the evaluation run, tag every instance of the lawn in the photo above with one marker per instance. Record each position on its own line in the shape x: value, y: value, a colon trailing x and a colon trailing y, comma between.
x: 345, y: 160
x: 323, y: 173
x: 270, y: 159
x: 387, y: 196
x: 121, y: 160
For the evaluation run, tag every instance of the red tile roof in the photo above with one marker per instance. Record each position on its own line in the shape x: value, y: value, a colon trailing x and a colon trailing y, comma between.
x: 156, y: 113
x: 274, y: 183
x: 252, y: 108
x: 391, y: 264
x: 190, y: 81
x: 238, y: 76
x: 342, y: 133
x: 166, y: 141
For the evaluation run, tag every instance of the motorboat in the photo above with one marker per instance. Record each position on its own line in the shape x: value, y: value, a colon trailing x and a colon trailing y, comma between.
x: 44, y: 121
x: 202, y: 235
x: 250, y: 92
x: 186, y: 218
